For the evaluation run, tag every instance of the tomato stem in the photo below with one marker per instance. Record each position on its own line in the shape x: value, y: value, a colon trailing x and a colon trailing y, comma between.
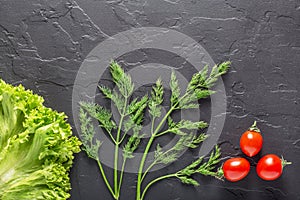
x: 254, y: 127
x: 284, y: 162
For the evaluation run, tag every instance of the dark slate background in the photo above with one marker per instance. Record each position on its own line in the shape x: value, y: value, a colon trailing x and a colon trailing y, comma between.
x: 42, y: 44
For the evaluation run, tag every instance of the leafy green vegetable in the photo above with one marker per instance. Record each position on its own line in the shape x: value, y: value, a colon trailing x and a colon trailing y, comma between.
x: 131, y: 119
x: 36, y: 147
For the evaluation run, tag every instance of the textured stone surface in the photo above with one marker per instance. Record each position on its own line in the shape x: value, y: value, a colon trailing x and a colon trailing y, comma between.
x: 42, y: 44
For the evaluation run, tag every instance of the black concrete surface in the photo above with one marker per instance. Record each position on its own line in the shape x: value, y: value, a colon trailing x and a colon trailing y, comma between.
x: 43, y: 43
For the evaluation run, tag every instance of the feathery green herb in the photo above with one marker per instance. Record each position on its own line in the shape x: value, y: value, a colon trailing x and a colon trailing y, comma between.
x: 127, y: 134
x: 175, y: 89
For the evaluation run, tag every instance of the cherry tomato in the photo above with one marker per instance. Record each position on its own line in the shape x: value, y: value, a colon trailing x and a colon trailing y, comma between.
x: 270, y: 167
x: 251, y: 141
x: 236, y: 169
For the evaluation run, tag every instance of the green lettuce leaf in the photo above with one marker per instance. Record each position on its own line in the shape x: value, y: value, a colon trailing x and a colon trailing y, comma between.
x: 36, y: 147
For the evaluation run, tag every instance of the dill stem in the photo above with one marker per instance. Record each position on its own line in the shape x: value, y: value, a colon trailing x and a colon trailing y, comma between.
x: 142, y: 163
x: 121, y: 175
x: 147, y: 170
x: 154, y: 134
x: 105, y: 179
x: 154, y: 181
x: 116, y: 158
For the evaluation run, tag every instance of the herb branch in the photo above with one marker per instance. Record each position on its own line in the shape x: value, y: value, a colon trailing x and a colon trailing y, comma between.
x: 131, y: 123
x: 197, y: 167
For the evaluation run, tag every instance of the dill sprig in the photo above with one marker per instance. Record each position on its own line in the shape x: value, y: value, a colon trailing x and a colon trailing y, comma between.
x: 156, y: 99
x: 186, y: 141
x: 90, y: 144
x: 127, y: 133
x: 199, y: 167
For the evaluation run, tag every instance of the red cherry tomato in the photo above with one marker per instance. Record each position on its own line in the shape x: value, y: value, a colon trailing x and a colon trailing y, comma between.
x: 251, y: 141
x: 270, y: 167
x: 236, y: 169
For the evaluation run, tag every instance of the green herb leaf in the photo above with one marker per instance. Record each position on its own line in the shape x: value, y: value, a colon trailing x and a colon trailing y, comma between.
x: 114, y: 96
x: 189, y: 181
x: 206, y: 168
x: 198, y: 87
x: 158, y: 152
x: 185, y: 141
x: 99, y: 113
x: 87, y: 131
x: 174, y: 89
x: 137, y: 109
x: 188, y: 106
x: 121, y: 79
x: 156, y: 99
x: 131, y: 145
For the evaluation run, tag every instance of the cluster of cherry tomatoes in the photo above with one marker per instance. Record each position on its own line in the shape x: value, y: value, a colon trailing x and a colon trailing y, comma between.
x: 269, y: 167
